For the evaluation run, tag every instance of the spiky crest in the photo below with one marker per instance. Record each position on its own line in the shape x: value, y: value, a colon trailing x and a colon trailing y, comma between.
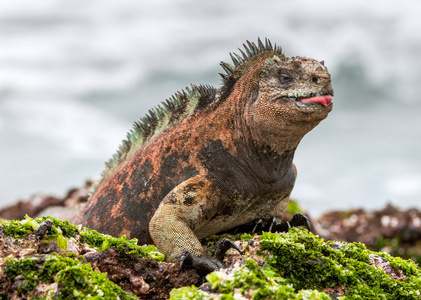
x: 251, y: 50
x: 182, y: 105
x: 177, y: 107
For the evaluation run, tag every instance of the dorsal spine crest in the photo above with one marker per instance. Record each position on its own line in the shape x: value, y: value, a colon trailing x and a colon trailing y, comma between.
x: 177, y: 107
x: 251, y: 50
x: 183, y: 104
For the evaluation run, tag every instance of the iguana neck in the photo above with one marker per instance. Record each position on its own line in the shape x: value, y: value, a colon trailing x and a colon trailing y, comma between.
x: 269, y: 165
x: 265, y: 162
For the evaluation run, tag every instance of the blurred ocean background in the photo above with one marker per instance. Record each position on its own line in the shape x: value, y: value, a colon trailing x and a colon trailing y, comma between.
x: 75, y: 75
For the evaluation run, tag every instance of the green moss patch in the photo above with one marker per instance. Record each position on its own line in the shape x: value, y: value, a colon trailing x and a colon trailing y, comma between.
x: 307, y: 262
x: 42, y: 260
x: 300, y: 265
x: 293, y: 265
x: 18, y: 229
x: 75, y: 280
x: 61, y: 231
x: 250, y: 281
x: 122, y: 245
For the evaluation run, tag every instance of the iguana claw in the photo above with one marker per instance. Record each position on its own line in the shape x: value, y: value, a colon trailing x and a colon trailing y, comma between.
x: 258, y: 224
x: 223, y: 246
x: 297, y: 220
x: 274, y: 225
x: 300, y: 220
x: 201, y: 263
x: 207, y: 263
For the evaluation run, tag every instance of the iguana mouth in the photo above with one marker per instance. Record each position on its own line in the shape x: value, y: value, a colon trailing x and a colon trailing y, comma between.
x: 313, y: 102
x: 325, y: 100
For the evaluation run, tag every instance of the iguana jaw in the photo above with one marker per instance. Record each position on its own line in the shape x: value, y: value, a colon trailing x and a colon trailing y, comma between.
x: 312, y: 102
x: 325, y: 100
x: 315, y: 103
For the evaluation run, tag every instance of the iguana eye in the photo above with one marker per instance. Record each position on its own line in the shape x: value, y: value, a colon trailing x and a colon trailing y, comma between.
x: 285, y: 78
x: 316, y: 79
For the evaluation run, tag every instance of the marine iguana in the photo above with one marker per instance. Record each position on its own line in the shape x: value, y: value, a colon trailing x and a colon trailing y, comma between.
x: 208, y: 160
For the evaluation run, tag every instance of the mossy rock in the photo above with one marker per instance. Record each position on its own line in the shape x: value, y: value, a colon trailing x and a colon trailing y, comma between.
x: 42, y: 259
x: 249, y: 281
x: 46, y: 258
x: 49, y: 228
x: 300, y: 265
x: 59, y: 277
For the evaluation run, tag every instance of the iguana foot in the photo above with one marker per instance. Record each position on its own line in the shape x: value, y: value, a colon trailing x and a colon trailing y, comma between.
x: 297, y: 220
x: 274, y: 225
x: 205, y: 264
x: 300, y: 220
x: 208, y: 264
x: 223, y: 246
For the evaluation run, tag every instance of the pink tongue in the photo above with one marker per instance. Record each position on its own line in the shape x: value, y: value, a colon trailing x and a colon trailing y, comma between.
x: 325, y: 100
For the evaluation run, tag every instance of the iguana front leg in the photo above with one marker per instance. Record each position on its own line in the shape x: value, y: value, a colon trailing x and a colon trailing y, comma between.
x: 188, y: 206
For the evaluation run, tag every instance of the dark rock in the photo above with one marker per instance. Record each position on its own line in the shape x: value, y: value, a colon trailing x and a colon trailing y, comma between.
x: 390, y: 229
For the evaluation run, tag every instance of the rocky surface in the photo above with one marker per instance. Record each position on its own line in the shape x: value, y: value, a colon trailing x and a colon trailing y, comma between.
x: 47, y: 256
x: 48, y: 205
x: 53, y: 259
x: 390, y: 230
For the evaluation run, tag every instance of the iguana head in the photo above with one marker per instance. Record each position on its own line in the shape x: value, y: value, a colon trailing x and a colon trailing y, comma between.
x: 284, y: 98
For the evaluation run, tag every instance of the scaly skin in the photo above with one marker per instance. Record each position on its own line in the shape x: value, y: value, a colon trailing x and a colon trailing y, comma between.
x: 224, y: 161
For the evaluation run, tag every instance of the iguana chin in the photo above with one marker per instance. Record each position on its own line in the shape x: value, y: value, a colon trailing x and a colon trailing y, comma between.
x: 208, y: 160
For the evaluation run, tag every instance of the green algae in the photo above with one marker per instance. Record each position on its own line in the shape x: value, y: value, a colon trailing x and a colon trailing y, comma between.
x: 75, y: 279
x: 246, y: 237
x: 72, y: 276
x: 122, y: 245
x: 64, y: 228
x: 300, y: 265
x: 62, y: 231
x: 263, y: 284
x: 17, y: 229
x: 251, y: 280
x: 307, y: 262
x: 188, y: 293
x: 21, y: 229
x: 396, y: 246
